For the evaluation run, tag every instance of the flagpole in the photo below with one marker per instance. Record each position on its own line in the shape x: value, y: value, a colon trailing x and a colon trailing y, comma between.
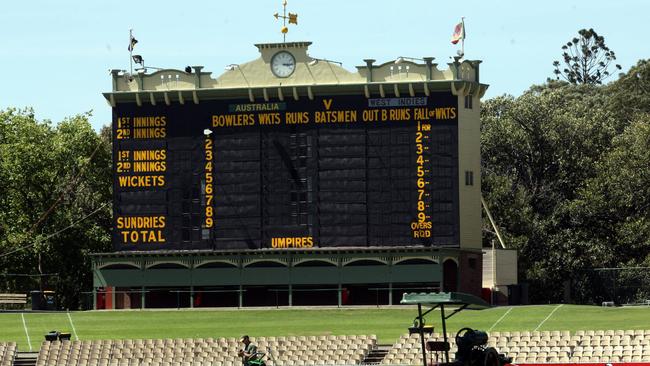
x: 284, y: 21
x: 131, y: 50
x: 462, y: 40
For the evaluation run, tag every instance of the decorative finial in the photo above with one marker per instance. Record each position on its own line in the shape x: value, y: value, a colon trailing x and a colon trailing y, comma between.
x: 292, y: 18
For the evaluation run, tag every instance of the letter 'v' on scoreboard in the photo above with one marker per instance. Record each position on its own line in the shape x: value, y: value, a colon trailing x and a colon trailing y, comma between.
x: 291, y: 152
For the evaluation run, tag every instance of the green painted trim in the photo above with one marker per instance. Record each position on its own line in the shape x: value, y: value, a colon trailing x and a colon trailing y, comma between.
x: 344, y: 272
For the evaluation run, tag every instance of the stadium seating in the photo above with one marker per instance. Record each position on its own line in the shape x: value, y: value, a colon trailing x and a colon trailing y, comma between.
x: 543, y: 347
x: 522, y: 346
x: 301, y: 350
x: 7, y: 353
x: 407, y: 350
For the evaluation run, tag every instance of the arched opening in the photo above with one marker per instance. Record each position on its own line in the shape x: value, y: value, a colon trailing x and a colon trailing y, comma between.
x: 315, y: 263
x: 306, y: 294
x: 368, y: 293
x: 449, y: 275
x: 413, y: 261
x: 124, y: 297
x: 167, y: 266
x: 210, y: 265
x: 430, y: 266
x: 275, y: 292
x: 119, y: 266
x: 365, y: 262
x: 266, y: 264
x: 216, y: 296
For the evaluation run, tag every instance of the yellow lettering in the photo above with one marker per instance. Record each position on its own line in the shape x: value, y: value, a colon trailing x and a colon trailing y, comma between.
x: 296, y: 118
x: 421, y: 225
x: 370, y: 115
x: 269, y: 118
x: 150, y: 133
x: 422, y: 233
x: 420, y: 113
x: 123, y: 121
x: 151, y: 121
x: 335, y: 116
x: 143, y: 155
x: 233, y: 120
x: 292, y: 242
x: 137, y: 181
x: 445, y: 113
x: 140, y: 222
x: 149, y: 166
x: 402, y: 114
x: 142, y: 236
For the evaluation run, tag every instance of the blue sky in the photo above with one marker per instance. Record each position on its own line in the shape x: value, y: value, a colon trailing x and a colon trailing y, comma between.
x: 56, y: 54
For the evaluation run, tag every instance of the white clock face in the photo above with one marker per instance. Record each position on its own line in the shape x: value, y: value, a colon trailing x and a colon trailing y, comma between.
x: 283, y: 64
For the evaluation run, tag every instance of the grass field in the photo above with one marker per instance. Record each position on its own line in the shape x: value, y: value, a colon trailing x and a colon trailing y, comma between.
x: 387, y: 323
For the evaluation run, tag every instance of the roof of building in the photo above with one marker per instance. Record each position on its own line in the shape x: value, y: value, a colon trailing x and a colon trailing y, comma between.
x: 254, y: 80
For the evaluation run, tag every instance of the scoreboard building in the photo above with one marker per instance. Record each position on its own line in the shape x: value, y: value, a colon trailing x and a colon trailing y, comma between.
x: 289, y: 180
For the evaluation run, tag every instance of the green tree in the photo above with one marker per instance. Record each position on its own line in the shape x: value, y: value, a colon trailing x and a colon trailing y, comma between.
x: 586, y: 59
x: 630, y: 93
x: 537, y: 152
x: 612, y: 210
x: 55, y: 202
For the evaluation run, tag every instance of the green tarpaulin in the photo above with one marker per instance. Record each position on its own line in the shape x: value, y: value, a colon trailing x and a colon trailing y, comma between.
x: 445, y: 298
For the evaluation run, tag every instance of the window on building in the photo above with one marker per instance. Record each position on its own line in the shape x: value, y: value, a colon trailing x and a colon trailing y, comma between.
x: 469, y: 178
x: 468, y: 101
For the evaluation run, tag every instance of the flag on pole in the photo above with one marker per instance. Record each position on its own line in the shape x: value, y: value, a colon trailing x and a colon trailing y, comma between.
x: 132, y: 43
x: 459, y: 32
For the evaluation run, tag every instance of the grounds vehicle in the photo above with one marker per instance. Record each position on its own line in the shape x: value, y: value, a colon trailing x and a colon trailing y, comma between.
x: 258, y: 359
x: 472, y: 344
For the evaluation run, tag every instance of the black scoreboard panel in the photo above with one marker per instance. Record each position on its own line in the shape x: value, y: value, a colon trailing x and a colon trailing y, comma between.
x: 339, y: 171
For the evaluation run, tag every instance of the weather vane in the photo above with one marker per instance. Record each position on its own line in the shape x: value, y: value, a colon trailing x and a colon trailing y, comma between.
x: 292, y: 18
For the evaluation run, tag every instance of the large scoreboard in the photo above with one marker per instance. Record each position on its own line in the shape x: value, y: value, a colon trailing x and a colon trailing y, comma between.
x: 335, y: 171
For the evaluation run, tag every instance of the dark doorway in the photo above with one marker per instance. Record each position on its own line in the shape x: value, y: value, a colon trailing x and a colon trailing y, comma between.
x: 366, y: 294
x: 128, y: 298
x: 212, y: 297
x: 266, y: 296
x: 449, y: 276
x: 322, y: 295
x: 167, y: 297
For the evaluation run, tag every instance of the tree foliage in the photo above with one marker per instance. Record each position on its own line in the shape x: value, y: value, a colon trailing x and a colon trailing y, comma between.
x: 49, y: 184
x: 630, y: 94
x: 565, y: 172
x: 585, y: 59
x: 537, y: 151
